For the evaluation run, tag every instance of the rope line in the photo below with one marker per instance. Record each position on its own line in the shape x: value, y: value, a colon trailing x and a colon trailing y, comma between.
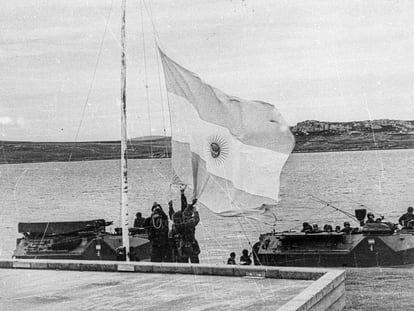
x: 92, y: 82
x: 151, y: 18
x: 144, y: 54
x: 157, y: 44
x: 159, y: 72
x: 250, y: 244
x: 43, y: 236
x: 148, y: 8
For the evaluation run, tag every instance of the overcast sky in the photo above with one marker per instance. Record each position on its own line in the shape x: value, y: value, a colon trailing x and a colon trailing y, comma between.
x: 324, y: 60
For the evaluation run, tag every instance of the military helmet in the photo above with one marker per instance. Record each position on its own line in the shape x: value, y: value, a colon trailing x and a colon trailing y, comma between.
x: 410, y: 209
x: 188, y: 212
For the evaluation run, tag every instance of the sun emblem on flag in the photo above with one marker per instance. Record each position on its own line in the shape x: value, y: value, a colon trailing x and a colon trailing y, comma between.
x: 218, y: 148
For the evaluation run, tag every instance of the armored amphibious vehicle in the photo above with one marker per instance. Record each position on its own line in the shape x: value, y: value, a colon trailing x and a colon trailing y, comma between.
x: 371, y: 245
x: 84, y: 240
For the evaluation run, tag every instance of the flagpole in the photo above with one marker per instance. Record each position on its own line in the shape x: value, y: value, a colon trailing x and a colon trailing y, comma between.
x: 124, y: 167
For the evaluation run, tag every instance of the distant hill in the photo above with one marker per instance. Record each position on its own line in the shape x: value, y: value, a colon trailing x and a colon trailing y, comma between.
x: 27, y: 152
x: 318, y: 136
x: 148, y: 138
x: 311, y: 136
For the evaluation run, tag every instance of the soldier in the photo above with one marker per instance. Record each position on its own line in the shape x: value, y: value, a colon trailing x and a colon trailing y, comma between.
x: 407, y: 219
x: 245, y: 258
x: 139, y: 220
x: 315, y: 228
x: 232, y: 259
x: 306, y: 227
x: 157, y: 226
x: 347, y: 228
x: 255, y: 251
x: 183, y: 230
x: 327, y: 228
x: 370, y: 218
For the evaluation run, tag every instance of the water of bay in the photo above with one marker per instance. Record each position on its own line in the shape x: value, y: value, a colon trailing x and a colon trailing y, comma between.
x: 380, y: 180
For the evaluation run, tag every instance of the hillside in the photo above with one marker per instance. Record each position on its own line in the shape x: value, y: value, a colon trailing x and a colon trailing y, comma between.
x: 311, y: 136
x: 317, y: 136
x: 26, y: 152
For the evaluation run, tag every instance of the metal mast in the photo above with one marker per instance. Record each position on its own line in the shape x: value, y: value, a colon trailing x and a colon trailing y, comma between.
x: 124, y: 172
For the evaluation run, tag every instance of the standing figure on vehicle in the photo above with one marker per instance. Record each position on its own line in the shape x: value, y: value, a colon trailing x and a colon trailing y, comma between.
x: 407, y: 219
x: 347, y: 228
x: 370, y: 218
x: 139, y: 220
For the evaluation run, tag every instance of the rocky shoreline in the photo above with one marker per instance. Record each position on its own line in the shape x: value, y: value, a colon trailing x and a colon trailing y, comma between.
x: 311, y: 136
x: 317, y: 136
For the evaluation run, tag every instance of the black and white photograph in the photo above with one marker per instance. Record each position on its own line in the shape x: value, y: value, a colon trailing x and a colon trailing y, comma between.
x: 207, y: 155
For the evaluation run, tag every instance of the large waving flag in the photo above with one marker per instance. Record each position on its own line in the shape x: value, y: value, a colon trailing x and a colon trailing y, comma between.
x: 230, y: 151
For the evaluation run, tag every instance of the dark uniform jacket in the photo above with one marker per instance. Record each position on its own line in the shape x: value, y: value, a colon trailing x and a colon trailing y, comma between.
x: 185, y: 231
x: 139, y: 222
x: 406, y: 220
x: 245, y: 260
x: 157, y: 226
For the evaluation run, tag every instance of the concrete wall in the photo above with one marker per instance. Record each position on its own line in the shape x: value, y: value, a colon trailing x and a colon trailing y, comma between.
x: 326, y: 293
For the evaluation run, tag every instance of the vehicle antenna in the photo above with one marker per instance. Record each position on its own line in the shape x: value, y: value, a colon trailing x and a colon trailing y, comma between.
x: 319, y: 200
x: 361, y: 204
x: 248, y: 241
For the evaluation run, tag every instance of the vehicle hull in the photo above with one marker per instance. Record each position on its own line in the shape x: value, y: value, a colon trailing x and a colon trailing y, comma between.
x: 354, y: 250
x: 77, y: 240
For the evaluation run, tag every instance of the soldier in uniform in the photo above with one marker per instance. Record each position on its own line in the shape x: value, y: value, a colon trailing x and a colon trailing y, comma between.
x: 347, y: 228
x: 370, y: 218
x: 407, y: 219
x: 157, y: 226
x: 232, y: 259
x: 183, y: 230
x: 306, y: 227
x: 245, y: 258
x: 139, y: 220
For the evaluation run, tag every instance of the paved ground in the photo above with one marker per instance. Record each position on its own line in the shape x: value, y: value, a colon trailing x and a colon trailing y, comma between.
x: 73, y: 290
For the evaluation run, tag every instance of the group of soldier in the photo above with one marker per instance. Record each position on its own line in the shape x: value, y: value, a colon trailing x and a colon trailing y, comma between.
x: 244, y: 258
x: 177, y: 244
x: 314, y: 228
x: 406, y: 221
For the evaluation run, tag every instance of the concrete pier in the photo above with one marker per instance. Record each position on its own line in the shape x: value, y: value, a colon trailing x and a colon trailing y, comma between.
x: 81, y: 285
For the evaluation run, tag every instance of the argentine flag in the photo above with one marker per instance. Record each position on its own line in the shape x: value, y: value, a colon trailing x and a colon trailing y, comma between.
x: 230, y: 151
